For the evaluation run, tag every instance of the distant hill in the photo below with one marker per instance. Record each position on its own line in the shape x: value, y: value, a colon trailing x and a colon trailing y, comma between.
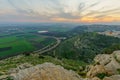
x: 95, y: 28
x: 86, y: 46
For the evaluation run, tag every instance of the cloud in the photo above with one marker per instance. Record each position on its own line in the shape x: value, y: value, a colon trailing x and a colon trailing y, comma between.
x: 62, y: 10
x: 17, y: 8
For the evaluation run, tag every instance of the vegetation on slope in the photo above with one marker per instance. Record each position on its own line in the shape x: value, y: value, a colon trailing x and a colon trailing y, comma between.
x: 34, y: 59
x: 85, y: 46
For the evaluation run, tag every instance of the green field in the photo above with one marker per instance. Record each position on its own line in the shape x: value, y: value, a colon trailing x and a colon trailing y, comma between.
x: 17, y: 46
x: 7, y: 39
x: 13, y: 45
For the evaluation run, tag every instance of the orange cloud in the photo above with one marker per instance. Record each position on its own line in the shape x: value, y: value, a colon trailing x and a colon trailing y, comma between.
x: 89, y: 19
x: 104, y: 19
x: 66, y: 20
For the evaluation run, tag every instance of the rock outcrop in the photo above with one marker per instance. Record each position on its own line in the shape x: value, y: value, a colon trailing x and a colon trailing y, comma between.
x: 20, y: 67
x: 110, y: 62
x: 114, y: 77
x: 94, y: 70
x: 46, y: 71
x: 106, y: 64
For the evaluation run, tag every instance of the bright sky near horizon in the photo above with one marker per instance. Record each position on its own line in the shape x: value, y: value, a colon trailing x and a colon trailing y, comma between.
x: 60, y: 11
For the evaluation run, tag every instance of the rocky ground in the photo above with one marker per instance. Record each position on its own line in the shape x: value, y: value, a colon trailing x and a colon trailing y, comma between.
x: 105, y: 67
x: 46, y: 71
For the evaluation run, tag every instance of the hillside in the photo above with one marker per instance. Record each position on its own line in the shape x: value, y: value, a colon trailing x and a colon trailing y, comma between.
x: 105, y: 67
x: 85, y: 46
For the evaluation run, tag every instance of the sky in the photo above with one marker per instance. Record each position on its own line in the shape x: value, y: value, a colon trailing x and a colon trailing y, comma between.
x: 81, y: 11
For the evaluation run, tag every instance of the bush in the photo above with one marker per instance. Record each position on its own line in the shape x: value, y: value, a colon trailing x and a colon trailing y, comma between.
x: 26, y: 53
x: 9, y: 78
x: 101, y: 75
x: 118, y: 71
x: 41, y: 56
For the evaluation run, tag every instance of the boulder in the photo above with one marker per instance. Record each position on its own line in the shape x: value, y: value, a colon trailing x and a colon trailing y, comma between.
x: 109, y: 61
x: 94, y: 70
x: 95, y: 78
x: 102, y: 59
x: 117, y: 55
x: 46, y: 71
x: 107, y: 78
x: 113, y: 77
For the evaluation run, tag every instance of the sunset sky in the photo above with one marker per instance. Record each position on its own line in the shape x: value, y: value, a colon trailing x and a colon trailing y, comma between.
x: 86, y: 11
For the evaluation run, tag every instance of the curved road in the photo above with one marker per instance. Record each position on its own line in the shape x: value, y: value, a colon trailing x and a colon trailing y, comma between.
x: 45, y: 49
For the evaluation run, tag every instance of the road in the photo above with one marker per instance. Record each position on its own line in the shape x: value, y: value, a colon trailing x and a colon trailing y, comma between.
x: 48, y: 48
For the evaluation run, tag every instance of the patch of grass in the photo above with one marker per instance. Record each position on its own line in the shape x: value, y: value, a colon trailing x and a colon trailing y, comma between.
x: 73, y: 64
x: 7, y: 39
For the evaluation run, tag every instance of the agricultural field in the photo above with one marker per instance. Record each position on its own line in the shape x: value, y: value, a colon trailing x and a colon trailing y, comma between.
x: 20, y: 43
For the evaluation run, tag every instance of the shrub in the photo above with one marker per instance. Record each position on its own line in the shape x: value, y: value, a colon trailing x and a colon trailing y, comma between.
x: 118, y: 71
x: 101, y: 75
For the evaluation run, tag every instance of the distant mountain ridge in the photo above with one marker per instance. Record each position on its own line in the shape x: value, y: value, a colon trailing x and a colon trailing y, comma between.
x: 95, y: 28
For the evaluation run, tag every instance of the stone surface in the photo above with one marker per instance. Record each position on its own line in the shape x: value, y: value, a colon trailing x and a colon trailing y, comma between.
x: 95, y: 78
x: 94, y: 70
x: 117, y: 55
x: 46, y: 71
x: 102, y: 59
x: 3, y: 77
x: 20, y: 67
x: 106, y: 63
x: 114, y: 77
x: 107, y: 78
x: 109, y: 61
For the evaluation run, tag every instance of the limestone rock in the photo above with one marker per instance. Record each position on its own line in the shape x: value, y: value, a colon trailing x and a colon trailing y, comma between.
x: 117, y: 55
x: 103, y: 59
x: 46, y: 71
x: 86, y: 79
x: 109, y: 61
x: 20, y: 67
x: 114, y: 77
x: 3, y: 77
x: 24, y: 66
x: 107, y: 78
x: 94, y: 70
x: 95, y: 78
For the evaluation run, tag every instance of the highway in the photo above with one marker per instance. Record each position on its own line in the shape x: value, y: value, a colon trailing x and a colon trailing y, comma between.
x: 48, y: 48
